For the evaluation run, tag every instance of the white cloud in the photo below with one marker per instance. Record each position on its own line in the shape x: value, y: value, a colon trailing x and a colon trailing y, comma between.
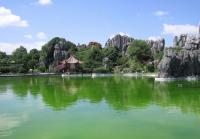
x: 7, y: 18
x: 120, y: 33
x: 170, y: 29
x: 28, y: 36
x: 45, y: 2
x: 10, y: 47
x: 123, y: 34
x: 161, y: 13
x: 41, y: 35
x: 154, y: 38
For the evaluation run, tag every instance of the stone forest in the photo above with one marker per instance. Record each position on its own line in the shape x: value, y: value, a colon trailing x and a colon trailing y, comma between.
x: 121, y: 54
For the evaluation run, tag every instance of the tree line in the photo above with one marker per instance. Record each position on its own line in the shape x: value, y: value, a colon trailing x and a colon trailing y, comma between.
x: 96, y: 58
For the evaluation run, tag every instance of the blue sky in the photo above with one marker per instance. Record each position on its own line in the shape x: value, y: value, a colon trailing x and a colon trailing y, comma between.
x: 33, y: 22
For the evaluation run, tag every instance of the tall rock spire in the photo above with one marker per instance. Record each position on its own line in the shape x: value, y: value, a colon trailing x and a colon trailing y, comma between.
x: 199, y: 29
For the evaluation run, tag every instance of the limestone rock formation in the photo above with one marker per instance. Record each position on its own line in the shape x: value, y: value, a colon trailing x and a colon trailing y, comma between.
x: 94, y: 44
x: 60, y: 51
x: 183, y: 59
x: 189, y: 42
x: 123, y: 41
x: 179, y: 63
x: 120, y: 41
x: 156, y: 45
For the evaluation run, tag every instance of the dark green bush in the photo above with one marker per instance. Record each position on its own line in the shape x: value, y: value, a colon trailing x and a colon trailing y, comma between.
x: 101, y: 70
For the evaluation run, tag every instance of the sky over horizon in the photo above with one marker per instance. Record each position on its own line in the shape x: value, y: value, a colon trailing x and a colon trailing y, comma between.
x: 32, y: 23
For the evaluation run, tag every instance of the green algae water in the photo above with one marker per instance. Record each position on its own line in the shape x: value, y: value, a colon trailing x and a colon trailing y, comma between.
x: 100, y: 108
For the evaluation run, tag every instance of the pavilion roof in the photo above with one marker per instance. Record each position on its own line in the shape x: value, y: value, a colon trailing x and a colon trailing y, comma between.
x: 72, y: 60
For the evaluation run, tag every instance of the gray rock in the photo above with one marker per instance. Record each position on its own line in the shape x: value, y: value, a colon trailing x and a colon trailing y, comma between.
x: 175, y: 41
x: 189, y: 42
x: 183, y: 59
x: 179, y: 63
x: 60, y: 51
x: 106, y: 60
x: 120, y: 41
x: 157, y: 45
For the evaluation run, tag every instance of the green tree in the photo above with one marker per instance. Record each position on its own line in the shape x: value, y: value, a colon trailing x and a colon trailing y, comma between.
x: 139, y: 50
x: 72, y: 47
x: 113, y: 53
x: 113, y: 56
x: 3, y: 57
x: 20, y: 55
x: 34, y: 57
x: 34, y: 54
x: 94, y: 59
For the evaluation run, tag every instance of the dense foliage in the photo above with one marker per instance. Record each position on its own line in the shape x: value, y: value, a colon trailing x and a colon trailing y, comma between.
x: 95, y: 58
x: 140, y: 51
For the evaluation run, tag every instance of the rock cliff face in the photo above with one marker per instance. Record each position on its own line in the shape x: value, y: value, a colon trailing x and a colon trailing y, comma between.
x: 123, y: 41
x: 120, y: 41
x: 60, y: 51
x: 179, y: 63
x: 183, y: 59
x: 156, y: 45
x: 189, y: 42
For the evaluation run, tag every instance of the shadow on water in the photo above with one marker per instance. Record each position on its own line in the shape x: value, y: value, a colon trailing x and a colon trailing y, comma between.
x: 118, y: 92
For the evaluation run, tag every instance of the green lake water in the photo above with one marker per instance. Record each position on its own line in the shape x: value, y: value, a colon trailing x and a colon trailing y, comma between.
x: 100, y: 108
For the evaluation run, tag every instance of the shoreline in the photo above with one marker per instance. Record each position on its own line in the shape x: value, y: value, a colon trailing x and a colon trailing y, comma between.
x: 189, y: 78
x: 153, y: 75
x: 96, y: 75
x: 29, y: 74
x: 93, y: 75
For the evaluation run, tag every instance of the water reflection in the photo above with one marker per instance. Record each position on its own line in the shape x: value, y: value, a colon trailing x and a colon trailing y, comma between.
x: 120, y: 93
x: 7, y: 123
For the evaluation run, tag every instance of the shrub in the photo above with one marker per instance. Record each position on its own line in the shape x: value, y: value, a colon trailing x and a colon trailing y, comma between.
x: 100, y: 70
x: 4, y: 69
x: 136, y: 66
x: 42, y: 69
x: 22, y: 70
x: 150, y: 68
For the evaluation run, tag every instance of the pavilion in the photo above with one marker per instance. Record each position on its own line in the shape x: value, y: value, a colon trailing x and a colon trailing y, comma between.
x: 69, y: 65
